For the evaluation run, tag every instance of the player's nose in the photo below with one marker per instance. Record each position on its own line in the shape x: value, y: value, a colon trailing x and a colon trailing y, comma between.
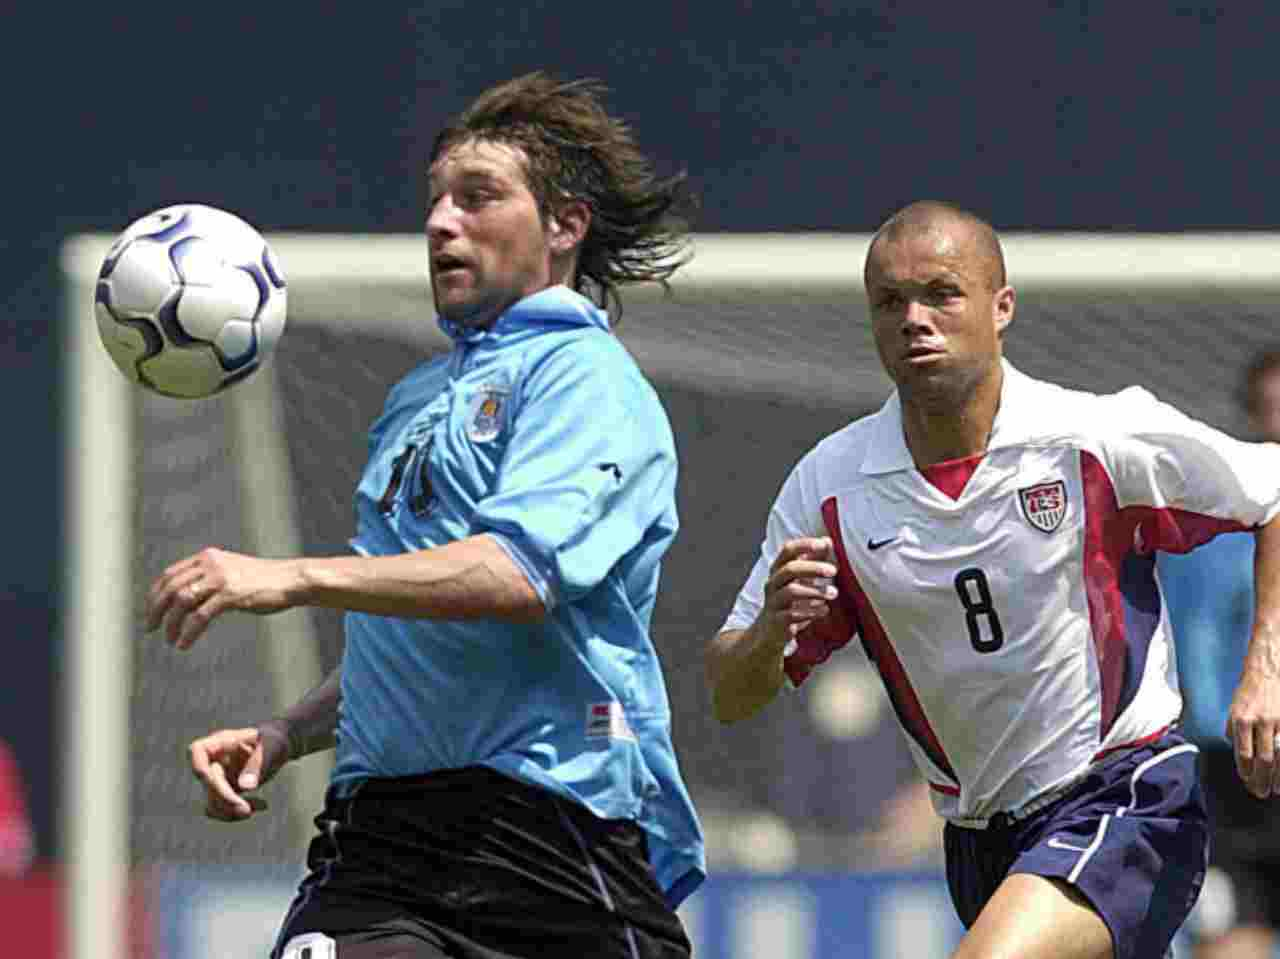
x: 442, y: 219
x: 916, y: 317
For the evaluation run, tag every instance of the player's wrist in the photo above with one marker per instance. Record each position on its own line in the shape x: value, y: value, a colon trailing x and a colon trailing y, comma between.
x: 769, y: 639
x: 286, y: 731
x: 301, y: 582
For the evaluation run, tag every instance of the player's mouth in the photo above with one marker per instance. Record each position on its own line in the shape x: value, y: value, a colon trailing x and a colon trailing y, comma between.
x: 445, y: 264
x: 922, y: 354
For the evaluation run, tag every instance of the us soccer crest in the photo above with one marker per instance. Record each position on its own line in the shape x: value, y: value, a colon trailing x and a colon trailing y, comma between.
x: 484, y: 420
x: 1044, y: 505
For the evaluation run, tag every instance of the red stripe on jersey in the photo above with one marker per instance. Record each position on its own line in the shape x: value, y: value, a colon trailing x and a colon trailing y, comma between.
x: 1143, y: 741
x: 817, y: 642
x: 1111, y: 535
x: 947, y: 790
x: 876, y: 642
x: 951, y: 476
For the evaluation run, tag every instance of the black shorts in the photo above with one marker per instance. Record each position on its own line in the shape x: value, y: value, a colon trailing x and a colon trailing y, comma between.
x: 477, y: 865
x: 1245, y: 843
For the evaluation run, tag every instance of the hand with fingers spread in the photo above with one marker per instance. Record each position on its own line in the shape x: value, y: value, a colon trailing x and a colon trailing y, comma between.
x: 231, y: 763
x: 191, y: 593
x: 1253, y: 726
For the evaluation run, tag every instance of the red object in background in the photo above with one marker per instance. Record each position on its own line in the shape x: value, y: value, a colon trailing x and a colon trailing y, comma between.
x: 31, y: 914
x: 17, y: 837
x: 33, y: 910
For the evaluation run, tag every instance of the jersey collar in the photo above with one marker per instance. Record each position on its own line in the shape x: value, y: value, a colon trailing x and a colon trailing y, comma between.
x: 554, y: 306
x: 887, y: 451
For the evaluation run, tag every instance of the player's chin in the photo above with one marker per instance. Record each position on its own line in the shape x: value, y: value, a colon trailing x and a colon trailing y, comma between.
x: 455, y: 306
x: 915, y: 373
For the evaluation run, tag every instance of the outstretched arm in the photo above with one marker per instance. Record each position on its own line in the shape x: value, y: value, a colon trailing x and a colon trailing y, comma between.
x: 1254, y: 719
x: 473, y: 578
x: 744, y: 667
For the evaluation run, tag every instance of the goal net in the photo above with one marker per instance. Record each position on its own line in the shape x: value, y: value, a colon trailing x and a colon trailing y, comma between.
x: 762, y: 347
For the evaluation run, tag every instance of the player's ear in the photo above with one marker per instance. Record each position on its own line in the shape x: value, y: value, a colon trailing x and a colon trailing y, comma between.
x: 1002, y: 307
x: 567, y: 226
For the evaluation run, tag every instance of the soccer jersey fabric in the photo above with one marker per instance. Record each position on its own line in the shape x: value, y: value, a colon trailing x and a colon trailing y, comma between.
x: 1016, y: 621
x: 542, y: 433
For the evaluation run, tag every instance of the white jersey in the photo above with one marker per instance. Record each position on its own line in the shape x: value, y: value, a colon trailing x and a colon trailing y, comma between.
x: 1017, y: 625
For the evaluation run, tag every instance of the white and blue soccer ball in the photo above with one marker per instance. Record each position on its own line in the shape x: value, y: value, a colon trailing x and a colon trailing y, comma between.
x: 190, y: 301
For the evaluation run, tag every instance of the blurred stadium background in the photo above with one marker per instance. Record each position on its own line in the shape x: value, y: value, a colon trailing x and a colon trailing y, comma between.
x: 811, y: 117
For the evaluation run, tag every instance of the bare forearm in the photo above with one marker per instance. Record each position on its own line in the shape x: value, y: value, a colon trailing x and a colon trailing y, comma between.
x: 744, y: 669
x: 473, y: 578
x: 310, y: 724
x: 1264, y: 647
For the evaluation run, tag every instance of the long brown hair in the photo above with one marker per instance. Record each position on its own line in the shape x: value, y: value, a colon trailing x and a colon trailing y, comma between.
x: 577, y: 151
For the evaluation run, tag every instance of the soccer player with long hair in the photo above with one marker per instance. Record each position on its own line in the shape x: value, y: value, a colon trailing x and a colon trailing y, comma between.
x: 505, y: 783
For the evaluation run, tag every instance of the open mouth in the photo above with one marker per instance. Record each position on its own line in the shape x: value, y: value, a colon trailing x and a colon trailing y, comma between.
x: 446, y: 263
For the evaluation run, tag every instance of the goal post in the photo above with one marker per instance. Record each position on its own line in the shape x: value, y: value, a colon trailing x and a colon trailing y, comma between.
x: 99, y: 587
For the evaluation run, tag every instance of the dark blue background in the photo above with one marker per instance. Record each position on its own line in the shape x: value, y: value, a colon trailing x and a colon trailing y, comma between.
x: 789, y: 116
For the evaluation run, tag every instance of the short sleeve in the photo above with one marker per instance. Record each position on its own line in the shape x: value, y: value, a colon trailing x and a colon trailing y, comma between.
x: 589, y: 472
x: 796, y: 512
x: 1161, y: 457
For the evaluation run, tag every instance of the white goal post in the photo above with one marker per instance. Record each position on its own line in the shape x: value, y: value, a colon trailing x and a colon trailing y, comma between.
x: 99, y: 595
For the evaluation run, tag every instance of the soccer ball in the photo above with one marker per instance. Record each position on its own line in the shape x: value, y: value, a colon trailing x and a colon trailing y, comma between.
x: 190, y: 301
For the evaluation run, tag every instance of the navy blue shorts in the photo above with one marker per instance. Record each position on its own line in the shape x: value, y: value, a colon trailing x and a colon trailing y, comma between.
x: 1132, y: 837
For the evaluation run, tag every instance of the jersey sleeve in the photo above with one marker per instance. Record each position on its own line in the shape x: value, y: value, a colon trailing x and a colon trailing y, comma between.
x: 793, y: 515
x: 1201, y: 480
x: 588, y: 475
x: 796, y: 513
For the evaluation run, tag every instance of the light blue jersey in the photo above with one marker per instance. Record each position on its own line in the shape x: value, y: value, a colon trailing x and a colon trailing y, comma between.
x: 542, y: 433
x: 1209, y: 592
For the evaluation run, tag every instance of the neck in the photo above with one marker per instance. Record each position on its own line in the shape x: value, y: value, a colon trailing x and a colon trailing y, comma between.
x: 951, y: 428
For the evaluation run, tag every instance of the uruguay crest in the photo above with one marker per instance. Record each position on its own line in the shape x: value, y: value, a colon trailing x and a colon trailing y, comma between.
x: 1044, y: 505
x: 484, y: 421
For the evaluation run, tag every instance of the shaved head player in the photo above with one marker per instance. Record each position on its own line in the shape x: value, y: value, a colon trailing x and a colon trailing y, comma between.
x: 991, y: 540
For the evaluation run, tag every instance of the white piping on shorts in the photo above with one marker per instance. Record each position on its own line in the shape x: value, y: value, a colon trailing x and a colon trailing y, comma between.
x: 1120, y: 811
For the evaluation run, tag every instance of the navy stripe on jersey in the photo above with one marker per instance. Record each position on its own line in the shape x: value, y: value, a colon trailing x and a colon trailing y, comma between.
x: 1141, y: 597
x: 876, y: 642
x: 1120, y: 582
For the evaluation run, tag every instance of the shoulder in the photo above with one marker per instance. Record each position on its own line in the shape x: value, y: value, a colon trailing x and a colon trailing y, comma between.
x: 591, y: 358
x: 1040, y: 411
x: 842, y: 453
x: 577, y: 345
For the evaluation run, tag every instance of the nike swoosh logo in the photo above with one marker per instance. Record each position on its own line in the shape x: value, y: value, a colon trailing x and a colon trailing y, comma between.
x: 1056, y: 843
x: 877, y: 543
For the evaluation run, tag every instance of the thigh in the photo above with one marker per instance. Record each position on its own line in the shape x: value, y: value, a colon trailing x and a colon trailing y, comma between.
x: 1033, y: 917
